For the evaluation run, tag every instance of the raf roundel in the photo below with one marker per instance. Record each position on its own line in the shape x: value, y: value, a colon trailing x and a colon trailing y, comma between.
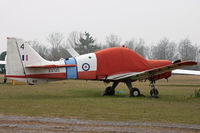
x: 85, y: 67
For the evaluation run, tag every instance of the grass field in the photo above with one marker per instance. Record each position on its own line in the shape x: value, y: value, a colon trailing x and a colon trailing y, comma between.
x: 82, y: 100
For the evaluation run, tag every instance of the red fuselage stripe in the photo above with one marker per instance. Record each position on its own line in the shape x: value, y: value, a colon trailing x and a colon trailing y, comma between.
x: 81, y: 75
x: 51, y: 66
x: 50, y: 76
x: 15, y: 76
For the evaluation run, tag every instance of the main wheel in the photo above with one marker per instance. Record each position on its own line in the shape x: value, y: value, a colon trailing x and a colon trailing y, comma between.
x: 135, y: 92
x: 109, y: 91
x: 154, y: 92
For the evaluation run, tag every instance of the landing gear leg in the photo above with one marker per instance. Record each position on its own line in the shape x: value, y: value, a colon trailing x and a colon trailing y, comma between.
x: 153, y: 92
x: 110, y: 90
x: 134, y: 92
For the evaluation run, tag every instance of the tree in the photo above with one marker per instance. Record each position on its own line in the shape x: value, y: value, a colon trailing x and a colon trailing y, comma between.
x: 2, y: 57
x: 56, y: 40
x: 198, y: 58
x: 198, y: 55
x: 41, y: 49
x: 73, y: 39
x: 171, y: 51
x: 186, y: 50
x: 165, y: 50
x: 138, y: 46
x: 63, y: 52
x: 113, y: 41
x: 85, y: 44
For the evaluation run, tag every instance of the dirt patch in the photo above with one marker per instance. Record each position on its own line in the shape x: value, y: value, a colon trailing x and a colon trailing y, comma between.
x: 24, y: 124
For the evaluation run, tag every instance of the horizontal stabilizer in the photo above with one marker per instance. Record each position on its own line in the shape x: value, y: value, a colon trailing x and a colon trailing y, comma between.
x: 51, y: 66
x: 72, y: 52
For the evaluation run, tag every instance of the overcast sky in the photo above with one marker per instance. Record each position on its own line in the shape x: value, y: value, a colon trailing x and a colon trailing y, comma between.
x: 148, y: 19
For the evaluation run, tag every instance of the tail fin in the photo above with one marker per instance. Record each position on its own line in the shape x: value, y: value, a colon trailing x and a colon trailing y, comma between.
x: 19, y: 55
x: 14, y: 65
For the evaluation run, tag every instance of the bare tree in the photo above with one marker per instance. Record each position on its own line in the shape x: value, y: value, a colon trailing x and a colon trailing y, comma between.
x: 171, y: 51
x: 41, y: 49
x: 138, y: 46
x: 186, y: 50
x: 198, y: 54
x: 165, y: 50
x: 113, y: 40
x: 56, y: 40
x: 73, y: 39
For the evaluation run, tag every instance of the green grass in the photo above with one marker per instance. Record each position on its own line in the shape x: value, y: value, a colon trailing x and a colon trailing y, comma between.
x: 82, y: 99
x: 197, y: 92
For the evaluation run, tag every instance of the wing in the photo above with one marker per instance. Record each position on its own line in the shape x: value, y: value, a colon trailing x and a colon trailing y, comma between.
x: 149, y: 73
x: 186, y: 72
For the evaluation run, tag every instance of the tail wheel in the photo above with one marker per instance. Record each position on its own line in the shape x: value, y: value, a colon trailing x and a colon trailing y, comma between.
x: 135, y: 92
x: 154, y: 92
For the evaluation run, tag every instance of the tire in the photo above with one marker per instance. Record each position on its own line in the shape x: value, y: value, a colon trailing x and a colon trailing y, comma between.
x: 109, y: 91
x: 154, y: 92
x: 135, y: 92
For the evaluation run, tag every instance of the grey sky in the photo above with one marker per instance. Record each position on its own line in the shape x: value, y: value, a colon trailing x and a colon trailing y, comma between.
x: 148, y: 19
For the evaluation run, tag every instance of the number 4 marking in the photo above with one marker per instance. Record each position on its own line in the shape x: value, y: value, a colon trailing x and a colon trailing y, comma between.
x: 22, y: 46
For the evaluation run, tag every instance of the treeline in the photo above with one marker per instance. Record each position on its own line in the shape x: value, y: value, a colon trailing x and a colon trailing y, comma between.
x: 86, y: 43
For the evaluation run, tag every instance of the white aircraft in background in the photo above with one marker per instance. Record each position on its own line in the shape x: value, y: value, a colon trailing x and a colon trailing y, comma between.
x: 2, y: 62
x: 185, y: 72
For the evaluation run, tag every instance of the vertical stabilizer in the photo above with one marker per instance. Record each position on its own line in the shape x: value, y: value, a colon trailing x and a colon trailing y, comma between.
x: 14, y: 65
x: 19, y: 56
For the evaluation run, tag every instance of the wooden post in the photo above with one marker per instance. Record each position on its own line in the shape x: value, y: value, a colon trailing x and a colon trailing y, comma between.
x: 13, y: 82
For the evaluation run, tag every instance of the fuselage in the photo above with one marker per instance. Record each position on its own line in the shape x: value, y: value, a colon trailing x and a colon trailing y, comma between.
x: 99, y: 65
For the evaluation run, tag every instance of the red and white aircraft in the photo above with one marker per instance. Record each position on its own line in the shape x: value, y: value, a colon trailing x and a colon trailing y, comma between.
x: 115, y: 65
